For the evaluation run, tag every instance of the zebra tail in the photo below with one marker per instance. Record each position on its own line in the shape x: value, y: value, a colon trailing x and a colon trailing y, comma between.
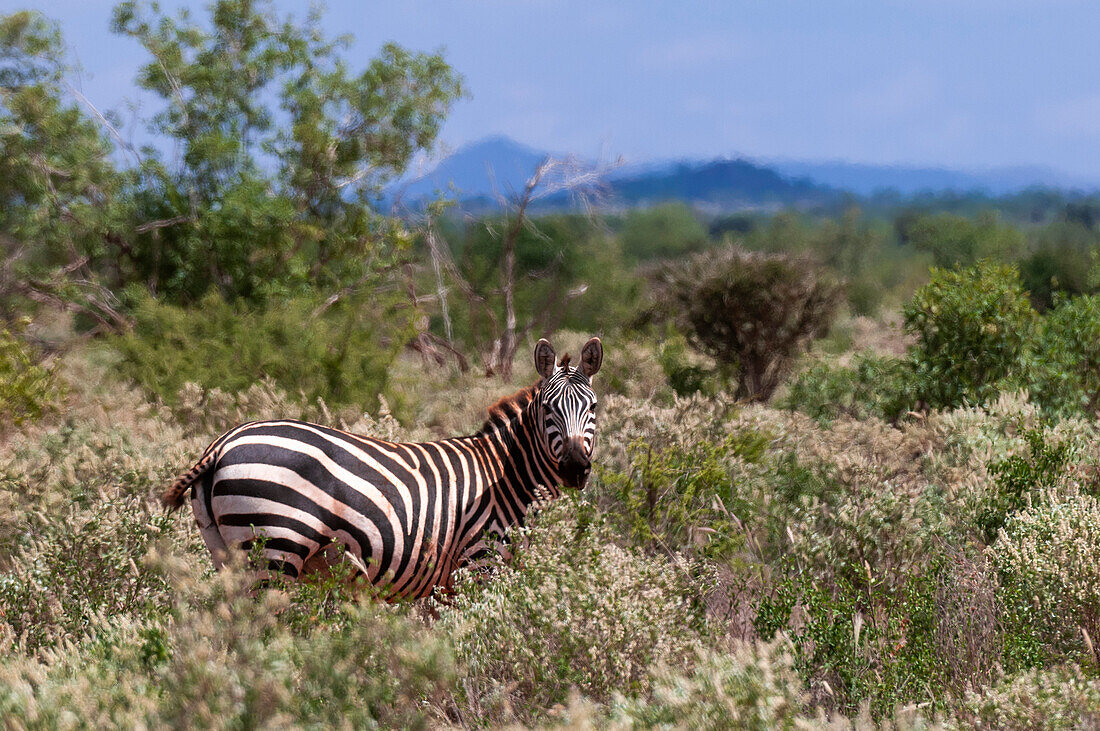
x: 174, y: 496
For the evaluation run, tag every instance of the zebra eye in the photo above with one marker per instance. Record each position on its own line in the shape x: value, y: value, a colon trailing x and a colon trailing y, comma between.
x: 592, y: 408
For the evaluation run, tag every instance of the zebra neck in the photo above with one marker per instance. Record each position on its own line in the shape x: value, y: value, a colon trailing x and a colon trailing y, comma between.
x: 522, y: 467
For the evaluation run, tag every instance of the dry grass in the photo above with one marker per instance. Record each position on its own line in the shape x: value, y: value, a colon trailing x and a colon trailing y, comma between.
x: 109, y: 612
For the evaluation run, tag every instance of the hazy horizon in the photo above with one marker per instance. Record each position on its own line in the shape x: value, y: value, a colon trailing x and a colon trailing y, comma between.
x: 985, y: 86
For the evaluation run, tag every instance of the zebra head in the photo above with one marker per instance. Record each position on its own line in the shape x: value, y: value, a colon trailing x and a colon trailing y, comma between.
x: 567, y: 409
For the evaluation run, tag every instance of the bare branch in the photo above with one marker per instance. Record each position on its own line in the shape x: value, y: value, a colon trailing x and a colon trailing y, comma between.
x: 105, y: 122
x: 163, y: 223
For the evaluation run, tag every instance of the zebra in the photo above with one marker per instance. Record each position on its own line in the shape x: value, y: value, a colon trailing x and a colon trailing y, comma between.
x: 406, y: 515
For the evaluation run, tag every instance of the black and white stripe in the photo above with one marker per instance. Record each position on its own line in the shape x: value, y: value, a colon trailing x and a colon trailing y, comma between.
x: 406, y: 514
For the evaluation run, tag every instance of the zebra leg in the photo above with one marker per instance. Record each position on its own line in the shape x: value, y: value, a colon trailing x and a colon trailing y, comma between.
x: 208, y: 529
x: 327, y: 560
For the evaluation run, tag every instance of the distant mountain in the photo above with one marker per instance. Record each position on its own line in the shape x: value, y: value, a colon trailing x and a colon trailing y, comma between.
x: 721, y: 185
x: 477, y: 170
x: 863, y: 179
x: 477, y: 173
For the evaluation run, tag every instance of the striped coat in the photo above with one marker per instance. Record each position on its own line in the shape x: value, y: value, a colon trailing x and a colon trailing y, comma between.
x: 405, y: 514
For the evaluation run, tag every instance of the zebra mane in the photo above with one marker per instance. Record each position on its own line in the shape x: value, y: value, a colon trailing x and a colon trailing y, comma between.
x: 508, y: 408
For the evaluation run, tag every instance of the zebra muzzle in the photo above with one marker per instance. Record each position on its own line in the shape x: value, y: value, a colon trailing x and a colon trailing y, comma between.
x: 575, y: 467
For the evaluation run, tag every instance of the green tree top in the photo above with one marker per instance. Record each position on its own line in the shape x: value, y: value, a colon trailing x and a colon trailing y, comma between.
x: 282, y: 148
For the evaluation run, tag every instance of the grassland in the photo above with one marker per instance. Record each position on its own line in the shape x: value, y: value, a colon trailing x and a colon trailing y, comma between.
x: 729, y: 565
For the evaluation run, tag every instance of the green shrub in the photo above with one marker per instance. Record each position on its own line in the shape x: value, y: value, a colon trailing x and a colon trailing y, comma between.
x: 871, y: 385
x: 1019, y: 478
x: 662, y: 232
x: 27, y: 388
x: 1068, y: 362
x: 682, y: 499
x: 856, y: 644
x: 1060, y: 264
x: 974, y: 330
x: 572, y: 610
x: 1048, y: 559
x: 750, y: 311
x: 686, y: 375
x: 859, y: 524
x: 337, y: 356
x: 958, y: 241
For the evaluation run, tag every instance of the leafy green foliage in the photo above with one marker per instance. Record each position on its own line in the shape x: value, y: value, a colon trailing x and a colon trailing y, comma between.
x: 662, y: 232
x: 870, y: 386
x: 336, y: 355
x: 59, y: 187
x: 1068, y: 366
x: 686, y: 376
x: 223, y: 220
x: 677, y: 499
x: 751, y: 311
x: 1020, y: 478
x: 28, y: 389
x: 856, y: 644
x: 553, y: 257
x: 1061, y: 264
x: 957, y: 241
x: 974, y: 330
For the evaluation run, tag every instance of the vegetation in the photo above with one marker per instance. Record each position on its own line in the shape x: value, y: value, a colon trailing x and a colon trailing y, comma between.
x: 974, y: 328
x: 833, y: 487
x: 28, y: 388
x: 750, y: 312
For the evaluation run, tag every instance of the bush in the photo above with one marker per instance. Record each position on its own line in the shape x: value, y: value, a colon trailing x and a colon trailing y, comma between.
x: 1048, y: 558
x: 1019, y: 478
x: 572, y: 610
x: 958, y: 241
x: 861, y: 524
x: 663, y: 232
x: 855, y: 644
x: 682, y: 499
x: 1068, y: 363
x: 81, y: 568
x: 872, y: 385
x: 1061, y: 697
x: 685, y: 374
x: 974, y: 330
x: 754, y: 687
x: 223, y: 658
x: 751, y: 311
x: 338, y: 356
x: 28, y: 389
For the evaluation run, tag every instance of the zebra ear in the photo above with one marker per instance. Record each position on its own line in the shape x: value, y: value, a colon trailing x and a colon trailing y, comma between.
x: 591, y: 357
x: 544, y: 358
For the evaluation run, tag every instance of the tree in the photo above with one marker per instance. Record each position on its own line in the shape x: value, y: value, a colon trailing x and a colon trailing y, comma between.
x: 974, y: 329
x: 1062, y: 261
x: 59, y: 189
x: 957, y: 241
x: 662, y: 232
x: 280, y: 151
x: 751, y: 311
x: 255, y: 208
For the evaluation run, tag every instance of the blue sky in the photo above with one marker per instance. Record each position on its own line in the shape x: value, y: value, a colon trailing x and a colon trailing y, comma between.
x: 954, y: 83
